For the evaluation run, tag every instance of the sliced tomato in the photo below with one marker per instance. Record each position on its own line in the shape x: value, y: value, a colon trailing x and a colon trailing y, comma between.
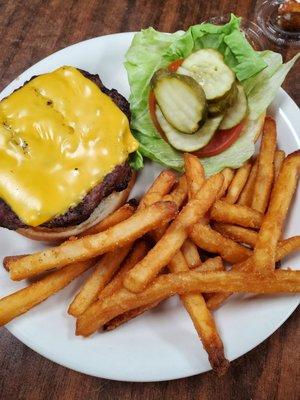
x: 173, y: 67
x: 221, y: 140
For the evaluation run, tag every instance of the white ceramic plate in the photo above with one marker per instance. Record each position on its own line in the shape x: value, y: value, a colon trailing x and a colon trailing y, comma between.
x: 161, y: 344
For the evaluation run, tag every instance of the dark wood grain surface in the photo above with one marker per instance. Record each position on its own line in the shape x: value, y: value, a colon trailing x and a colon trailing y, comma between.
x: 29, y: 31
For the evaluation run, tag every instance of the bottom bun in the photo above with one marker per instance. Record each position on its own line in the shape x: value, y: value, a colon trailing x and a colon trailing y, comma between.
x: 106, y: 207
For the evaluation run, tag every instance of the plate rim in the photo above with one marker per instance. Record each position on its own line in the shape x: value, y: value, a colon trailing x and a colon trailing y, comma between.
x: 42, y: 350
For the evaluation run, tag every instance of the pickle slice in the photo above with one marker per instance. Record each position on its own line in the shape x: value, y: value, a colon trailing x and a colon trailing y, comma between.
x: 237, y: 112
x: 185, y: 142
x: 208, y: 68
x: 181, y: 100
x: 220, y: 106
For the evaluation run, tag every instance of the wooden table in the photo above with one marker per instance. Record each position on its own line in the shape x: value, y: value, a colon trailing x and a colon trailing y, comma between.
x: 33, y: 29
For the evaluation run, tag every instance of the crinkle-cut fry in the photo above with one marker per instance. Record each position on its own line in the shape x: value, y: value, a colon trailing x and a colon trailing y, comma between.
x: 236, y: 214
x: 284, y: 248
x: 194, y: 174
x: 160, y: 187
x: 282, y: 194
x: 280, y: 281
x: 228, y: 175
x: 161, y: 254
x: 138, y: 252
x: 191, y: 254
x: 117, y: 216
x: 265, y: 172
x: 237, y: 233
x: 246, y: 195
x: 104, y: 270
x: 23, y: 300
x: 208, y: 239
x: 238, y: 182
x: 278, y: 160
x: 91, y: 246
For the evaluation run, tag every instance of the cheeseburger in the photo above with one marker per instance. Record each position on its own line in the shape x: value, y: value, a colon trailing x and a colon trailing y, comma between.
x: 65, y: 142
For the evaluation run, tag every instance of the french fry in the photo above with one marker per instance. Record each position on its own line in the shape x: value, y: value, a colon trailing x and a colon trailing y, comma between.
x: 104, y: 270
x: 278, y: 160
x: 191, y: 254
x: 193, y: 303
x: 23, y: 300
x: 265, y: 172
x: 208, y: 239
x: 119, y: 215
x: 160, y: 187
x: 265, y: 249
x: 161, y: 254
x: 8, y: 259
x: 179, y: 193
x: 178, y: 196
x: 281, y: 281
x: 194, y: 174
x: 228, y: 175
x: 91, y: 246
x: 246, y: 196
x: 237, y: 233
x: 105, y: 267
x: 238, y: 182
x: 128, y: 316
x: 138, y: 252
x: 236, y: 214
x: 284, y: 248
x: 195, y: 177
x: 202, y: 319
x: 212, y: 264
x: 206, y: 328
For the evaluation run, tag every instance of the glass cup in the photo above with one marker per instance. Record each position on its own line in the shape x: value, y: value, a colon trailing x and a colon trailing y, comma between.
x: 278, y: 21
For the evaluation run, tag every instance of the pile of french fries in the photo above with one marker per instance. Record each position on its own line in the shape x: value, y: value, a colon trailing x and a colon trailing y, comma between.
x: 201, y: 238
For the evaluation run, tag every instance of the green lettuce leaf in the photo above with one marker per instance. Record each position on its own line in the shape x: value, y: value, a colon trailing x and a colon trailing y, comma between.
x: 136, y: 160
x: 267, y: 83
x: 261, y: 74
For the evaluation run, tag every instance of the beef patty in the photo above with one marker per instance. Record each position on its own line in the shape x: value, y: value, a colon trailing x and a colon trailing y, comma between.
x: 117, y: 180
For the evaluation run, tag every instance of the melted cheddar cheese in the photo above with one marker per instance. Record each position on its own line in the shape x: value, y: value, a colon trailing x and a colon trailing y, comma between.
x: 59, y: 136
